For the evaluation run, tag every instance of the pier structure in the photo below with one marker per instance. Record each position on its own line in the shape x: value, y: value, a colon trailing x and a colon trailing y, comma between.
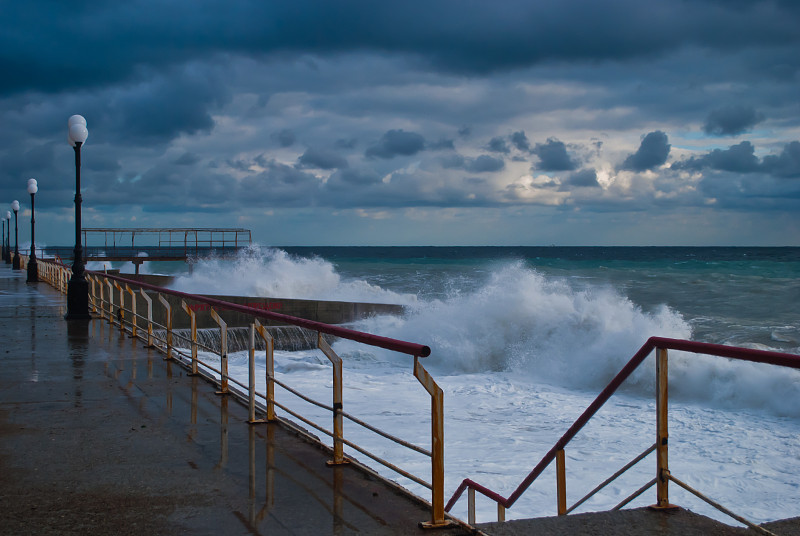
x: 138, y: 245
x: 105, y: 375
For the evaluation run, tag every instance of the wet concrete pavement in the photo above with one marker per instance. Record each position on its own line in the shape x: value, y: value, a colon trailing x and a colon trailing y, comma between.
x: 99, y: 435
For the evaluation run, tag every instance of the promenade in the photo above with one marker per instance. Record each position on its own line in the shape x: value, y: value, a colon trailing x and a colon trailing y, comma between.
x: 99, y: 435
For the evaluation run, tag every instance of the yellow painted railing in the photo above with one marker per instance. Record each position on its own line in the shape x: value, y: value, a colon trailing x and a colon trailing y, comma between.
x: 108, y: 301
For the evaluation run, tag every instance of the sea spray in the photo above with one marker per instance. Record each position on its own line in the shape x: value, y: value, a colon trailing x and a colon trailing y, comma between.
x: 533, y: 325
x: 273, y: 273
x: 570, y: 332
x: 544, y: 329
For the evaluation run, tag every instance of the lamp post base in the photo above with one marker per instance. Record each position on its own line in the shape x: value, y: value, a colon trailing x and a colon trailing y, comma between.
x: 78, y: 300
x: 33, y: 271
x: 15, y: 263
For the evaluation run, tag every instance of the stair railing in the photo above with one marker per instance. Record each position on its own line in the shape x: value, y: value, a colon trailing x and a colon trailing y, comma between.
x: 663, y: 476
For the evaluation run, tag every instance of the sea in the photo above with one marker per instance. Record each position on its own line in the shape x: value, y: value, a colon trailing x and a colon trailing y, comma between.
x: 524, y: 338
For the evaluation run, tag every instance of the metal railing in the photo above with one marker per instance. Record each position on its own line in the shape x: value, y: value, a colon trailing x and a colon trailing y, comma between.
x: 113, y: 298
x: 660, y: 447
x: 157, y: 244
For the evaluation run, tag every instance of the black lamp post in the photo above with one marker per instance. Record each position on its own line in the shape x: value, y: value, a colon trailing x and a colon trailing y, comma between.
x: 8, y: 237
x: 78, y: 287
x: 15, y: 260
x: 3, y: 236
x: 33, y: 269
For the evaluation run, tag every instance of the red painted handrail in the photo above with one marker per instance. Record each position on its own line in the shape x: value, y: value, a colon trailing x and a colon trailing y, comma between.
x: 744, y: 354
x: 410, y: 348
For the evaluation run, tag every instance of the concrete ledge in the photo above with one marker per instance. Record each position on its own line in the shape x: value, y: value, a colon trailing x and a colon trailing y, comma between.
x: 327, y: 312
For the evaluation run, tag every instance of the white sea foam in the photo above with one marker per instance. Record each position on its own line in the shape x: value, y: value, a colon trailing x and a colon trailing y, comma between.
x: 274, y: 273
x: 544, y: 328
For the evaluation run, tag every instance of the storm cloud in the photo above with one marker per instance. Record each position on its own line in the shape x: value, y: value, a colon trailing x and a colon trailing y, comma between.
x: 396, y: 143
x: 553, y: 156
x: 652, y: 152
x: 731, y: 120
x: 450, y: 115
x: 739, y: 158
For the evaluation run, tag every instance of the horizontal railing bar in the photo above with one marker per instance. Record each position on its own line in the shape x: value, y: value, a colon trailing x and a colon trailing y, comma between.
x: 636, y: 494
x: 388, y: 436
x: 308, y: 422
x: 720, y: 350
x: 302, y: 396
x: 388, y: 464
x: 719, y: 507
x: 387, y: 343
x: 613, y: 477
x: 234, y: 381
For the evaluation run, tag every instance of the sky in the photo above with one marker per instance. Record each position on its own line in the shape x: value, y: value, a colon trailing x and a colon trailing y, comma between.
x: 453, y: 122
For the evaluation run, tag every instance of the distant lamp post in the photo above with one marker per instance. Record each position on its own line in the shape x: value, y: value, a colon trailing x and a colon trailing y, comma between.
x: 3, y: 237
x: 33, y: 269
x: 15, y: 260
x: 78, y: 288
x: 8, y: 237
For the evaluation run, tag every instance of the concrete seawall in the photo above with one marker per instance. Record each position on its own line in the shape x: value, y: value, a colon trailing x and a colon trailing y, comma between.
x: 328, y: 312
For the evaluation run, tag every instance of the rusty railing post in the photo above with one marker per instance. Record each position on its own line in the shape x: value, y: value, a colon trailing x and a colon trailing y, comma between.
x: 561, y: 481
x: 121, y: 310
x: 251, y: 375
x: 662, y: 434
x: 134, y: 325
x: 437, y: 447
x: 223, y: 352
x: 471, y: 506
x: 338, y: 420
x: 168, y: 309
x: 193, y: 332
x: 149, y: 302
x: 270, y: 372
x: 92, y: 292
x: 110, y: 302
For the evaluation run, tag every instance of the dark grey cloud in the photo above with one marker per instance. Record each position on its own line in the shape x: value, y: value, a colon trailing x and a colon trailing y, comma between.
x: 732, y: 120
x: 738, y: 158
x: 520, y: 141
x: 162, y: 107
x: 61, y: 50
x: 484, y: 164
x: 321, y: 159
x: 652, y: 152
x: 741, y: 158
x: 553, y: 156
x: 159, y: 188
x: 786, y: 164
x: 585, y: 178
x: 396, y: 143
x: 285, y: 137
x: 348, y: 179
x: 31, y: 161
x: 498, y: 145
